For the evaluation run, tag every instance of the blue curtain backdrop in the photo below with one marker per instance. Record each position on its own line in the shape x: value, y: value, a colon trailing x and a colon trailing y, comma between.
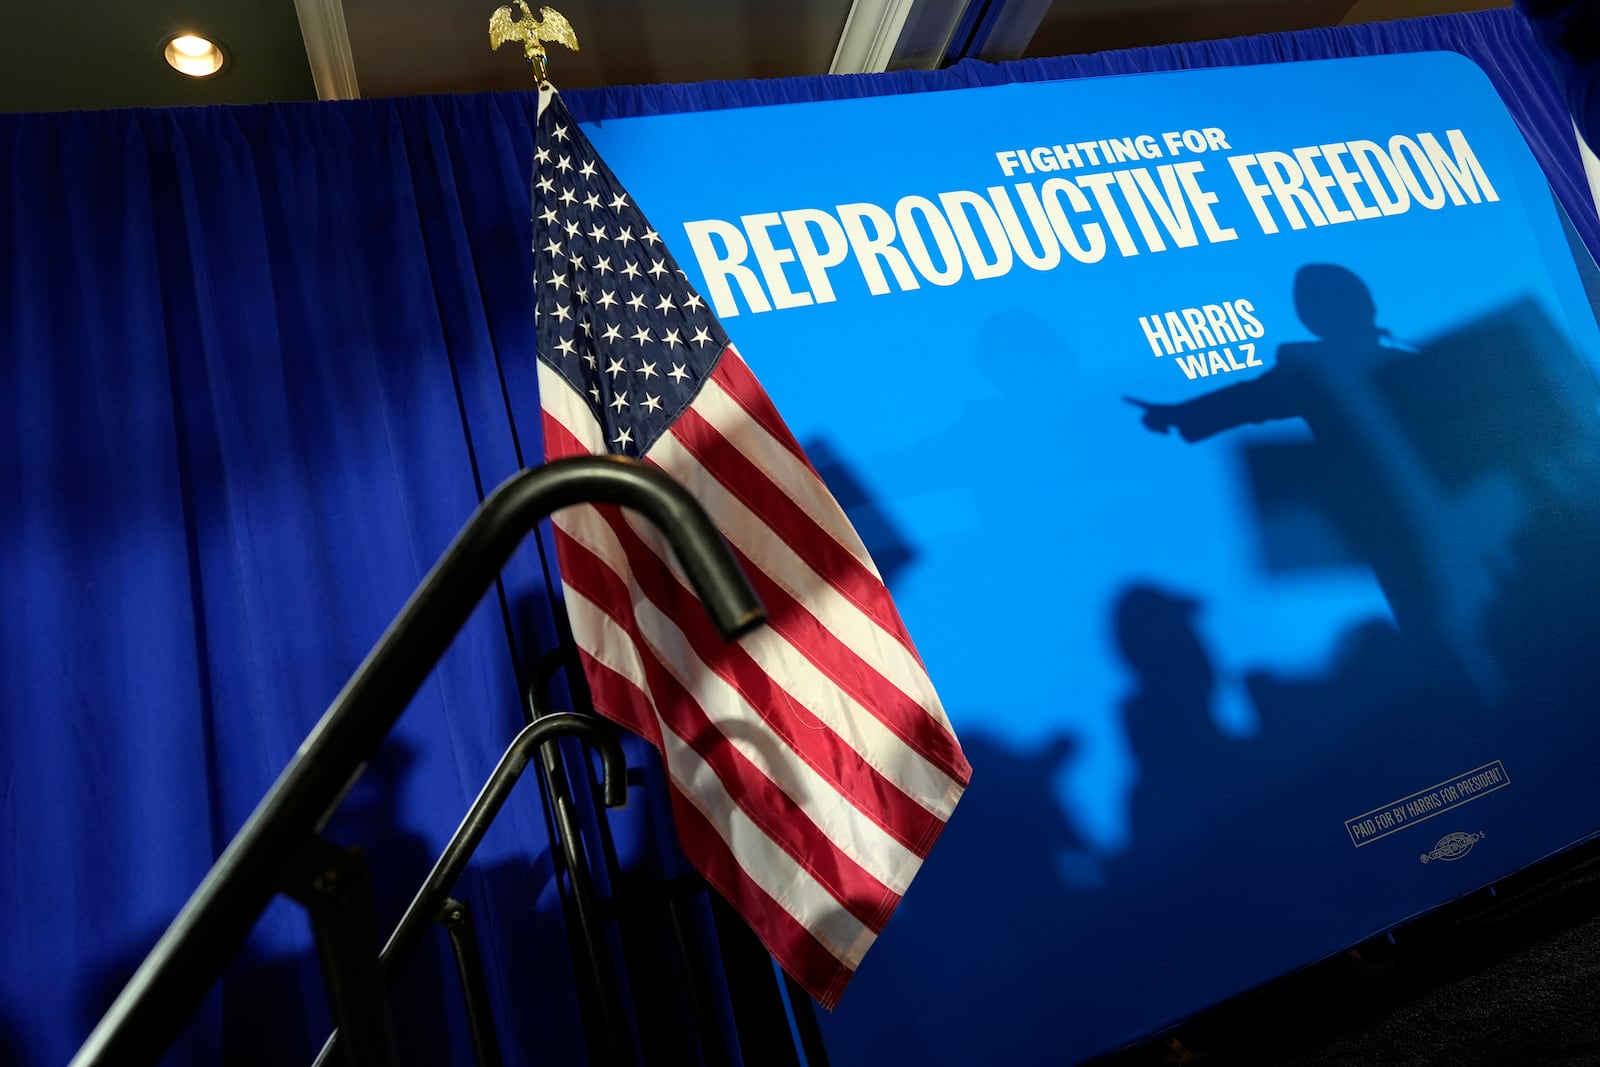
x: 257, y: 365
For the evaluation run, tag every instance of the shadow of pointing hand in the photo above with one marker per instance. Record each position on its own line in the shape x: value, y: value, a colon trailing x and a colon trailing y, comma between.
x: 1158, y: 418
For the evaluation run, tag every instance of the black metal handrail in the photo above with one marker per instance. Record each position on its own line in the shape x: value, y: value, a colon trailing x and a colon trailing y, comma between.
x: 169, y: 985
x: 431, y: 899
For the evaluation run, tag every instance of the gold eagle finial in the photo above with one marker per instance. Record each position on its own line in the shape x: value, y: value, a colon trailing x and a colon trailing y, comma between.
x: 551, y: 25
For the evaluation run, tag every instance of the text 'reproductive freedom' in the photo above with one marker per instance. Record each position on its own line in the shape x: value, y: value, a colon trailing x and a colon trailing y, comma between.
x: 1061, y: 210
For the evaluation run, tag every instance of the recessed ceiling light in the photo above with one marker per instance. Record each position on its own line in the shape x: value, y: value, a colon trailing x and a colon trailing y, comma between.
x: 196, y: 56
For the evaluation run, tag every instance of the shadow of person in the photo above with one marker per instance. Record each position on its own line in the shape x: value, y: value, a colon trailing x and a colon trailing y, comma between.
x: 1546, y: 616
x: 1216, y: 821
x: 267, y: 1008
x: 885, y: 542
x: 1526, y: 420
x: 270, y: 1007
x: 270, y: 1004
x: 1317, y: 724
x: 1184, y: 760
x: 1191, y: 870
x: 1366, y: 471
x: 420, y: 994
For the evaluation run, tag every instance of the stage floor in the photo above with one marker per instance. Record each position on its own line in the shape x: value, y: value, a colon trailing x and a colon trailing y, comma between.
x: 1492, y: 979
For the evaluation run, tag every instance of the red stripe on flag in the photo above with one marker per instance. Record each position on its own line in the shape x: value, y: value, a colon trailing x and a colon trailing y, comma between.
x: 875, y: 796
x: 559, y: 442
x: 856, y: 675
x: 778, y: 815
x: 797, y: 951
x: 771, y: 502
x: 737, y: 381
x: 804, y: 957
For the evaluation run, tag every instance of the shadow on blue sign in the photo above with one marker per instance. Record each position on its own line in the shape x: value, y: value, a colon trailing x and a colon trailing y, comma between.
x: 1464, y: 473
x: 885, y: 543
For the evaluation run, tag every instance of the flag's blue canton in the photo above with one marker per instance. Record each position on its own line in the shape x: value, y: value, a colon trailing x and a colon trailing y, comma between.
x: 616, y: 317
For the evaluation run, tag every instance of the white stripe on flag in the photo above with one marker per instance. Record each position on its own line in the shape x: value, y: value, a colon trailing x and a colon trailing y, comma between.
x: 877, y: 746
x: 564, y: 404
x: 781, y: 466
x: 782, y: 565
x: 763, y: 860
x: 850, y: 831
x: 846, y: 827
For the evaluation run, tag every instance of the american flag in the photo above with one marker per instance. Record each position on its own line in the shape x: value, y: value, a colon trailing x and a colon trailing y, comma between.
x: 811, y: 763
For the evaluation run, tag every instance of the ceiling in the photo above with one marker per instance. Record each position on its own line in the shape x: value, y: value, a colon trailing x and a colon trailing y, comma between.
x: 107, y: 53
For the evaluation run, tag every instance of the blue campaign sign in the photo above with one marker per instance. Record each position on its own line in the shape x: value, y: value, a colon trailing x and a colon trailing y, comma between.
x: 1229, y: 440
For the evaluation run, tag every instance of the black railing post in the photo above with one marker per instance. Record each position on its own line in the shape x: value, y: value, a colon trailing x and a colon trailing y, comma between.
x: 456, y: 918
x: 332, y: 884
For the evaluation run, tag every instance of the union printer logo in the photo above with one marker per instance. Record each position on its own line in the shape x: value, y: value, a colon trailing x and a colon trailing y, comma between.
x: 1452, y: 847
